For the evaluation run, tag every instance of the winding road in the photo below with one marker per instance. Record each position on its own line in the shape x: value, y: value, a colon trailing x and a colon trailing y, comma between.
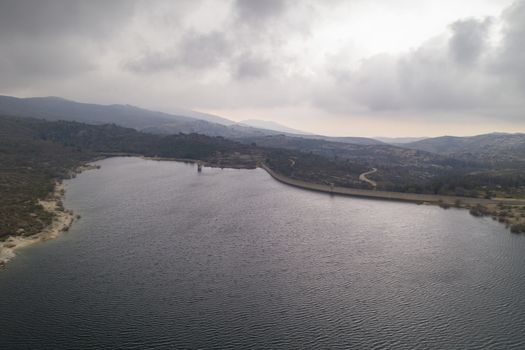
x: 399, y: 196
x: 363, y: 177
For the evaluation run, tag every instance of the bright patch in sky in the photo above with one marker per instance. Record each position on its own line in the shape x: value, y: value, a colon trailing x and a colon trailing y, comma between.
x: 356, y: 67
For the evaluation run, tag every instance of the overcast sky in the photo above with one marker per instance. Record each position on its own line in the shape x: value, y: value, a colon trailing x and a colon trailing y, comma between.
x: 354, y: 67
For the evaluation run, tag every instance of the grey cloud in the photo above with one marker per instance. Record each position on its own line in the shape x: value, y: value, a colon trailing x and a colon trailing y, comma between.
x: 511, y: 56
x: 25, y: 65
x: 250, y: 55
x: 42, y: 59
x: 259, y: 11
x: 454, y: 74
x: 194, y: 51
x: 53, y: 39
x: 429, y: 79
x: 469, y: 39
x: 151, y: 62
x: 204, y: 50
x: 251, y: 66
x: 378, y: 74
x: 422, y: 80
x: 26, y: 18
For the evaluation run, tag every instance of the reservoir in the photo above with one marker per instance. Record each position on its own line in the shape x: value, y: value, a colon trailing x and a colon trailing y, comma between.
x: 166, y: 257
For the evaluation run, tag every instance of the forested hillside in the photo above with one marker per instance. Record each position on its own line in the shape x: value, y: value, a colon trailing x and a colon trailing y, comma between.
x: 35, y: 153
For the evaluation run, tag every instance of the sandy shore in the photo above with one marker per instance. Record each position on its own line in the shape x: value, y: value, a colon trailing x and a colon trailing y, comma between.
x: 62, y: 221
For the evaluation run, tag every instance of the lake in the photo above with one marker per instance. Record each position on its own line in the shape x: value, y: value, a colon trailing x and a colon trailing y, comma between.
x: 165, y: 257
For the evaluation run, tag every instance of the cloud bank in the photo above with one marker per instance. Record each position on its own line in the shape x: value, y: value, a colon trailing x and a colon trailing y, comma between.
x: 257, y: 56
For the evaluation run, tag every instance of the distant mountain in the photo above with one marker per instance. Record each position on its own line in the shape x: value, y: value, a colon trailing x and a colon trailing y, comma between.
x: 234, y: 131
x: 399, y: 140
x: 375, y: 154
x: 56, y: 108
x: 269, y: 125
x: 494, y: 147
x: 202, y: 116
x: 348, y: 139
x: 284, y: 130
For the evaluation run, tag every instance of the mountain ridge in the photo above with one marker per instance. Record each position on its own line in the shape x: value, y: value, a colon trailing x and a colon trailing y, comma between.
x: 492, y: 147
x: 56, y: 108
x: 270, y: 125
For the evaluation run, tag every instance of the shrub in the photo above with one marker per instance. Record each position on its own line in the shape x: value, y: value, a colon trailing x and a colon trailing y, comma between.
x: 517, y: 228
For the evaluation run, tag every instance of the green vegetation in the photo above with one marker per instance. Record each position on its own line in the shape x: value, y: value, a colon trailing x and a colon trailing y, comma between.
x: 399, y: 169
x: 35, y: 153
x: 479, y: 211
x: 513, y: 216
x: 517, y: 228
x: 29, y: 166
x: 315, y: 168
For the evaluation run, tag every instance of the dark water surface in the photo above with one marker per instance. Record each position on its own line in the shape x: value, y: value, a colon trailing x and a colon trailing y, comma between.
x: 165, y: 258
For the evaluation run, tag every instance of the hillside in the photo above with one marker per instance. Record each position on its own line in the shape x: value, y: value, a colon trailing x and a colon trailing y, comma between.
x: 400, y: 169
x: 35, y: 153
x: 269, y: 125
x: 490, y: 148
x: 359, y: 151
x: 399, y: 140
x: 55, y: 108
x: 347, y: 139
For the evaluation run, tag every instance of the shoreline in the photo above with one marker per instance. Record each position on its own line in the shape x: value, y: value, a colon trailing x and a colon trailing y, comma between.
x: 504, y: 210
x: 203, y: 163
x: 445, y: 201
x: 386, y: 195
x: 62, y: 221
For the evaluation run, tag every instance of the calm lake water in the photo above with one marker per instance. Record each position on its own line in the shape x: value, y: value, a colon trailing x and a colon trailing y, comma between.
x: 166, y: 258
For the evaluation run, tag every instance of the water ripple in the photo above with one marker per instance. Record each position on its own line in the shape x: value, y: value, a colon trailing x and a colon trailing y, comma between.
x: 165, y: 258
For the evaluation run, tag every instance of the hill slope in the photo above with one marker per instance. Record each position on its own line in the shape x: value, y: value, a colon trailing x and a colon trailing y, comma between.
x: 491, y: 148
x: 35, y: 153
x: 269, y: 125
x: 55, y: 108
